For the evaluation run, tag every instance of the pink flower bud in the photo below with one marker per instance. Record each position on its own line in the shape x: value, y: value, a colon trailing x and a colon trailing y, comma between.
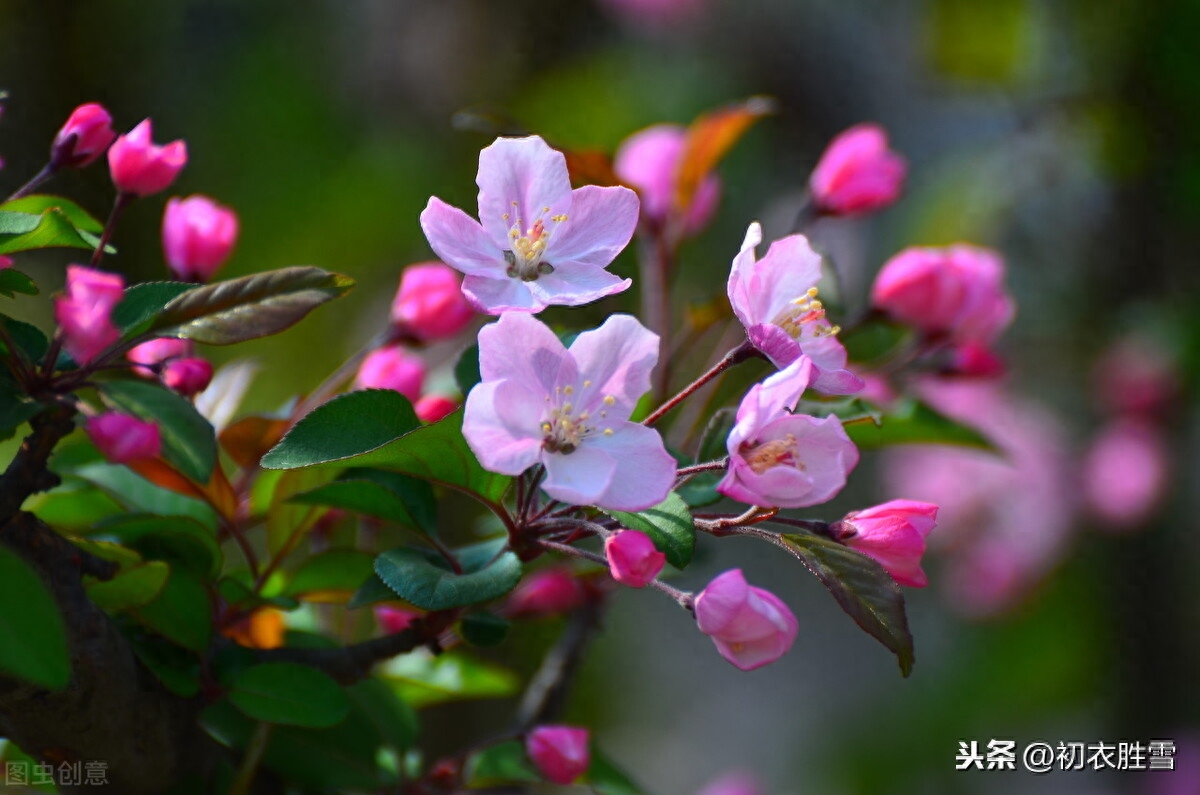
x: 188, y: 377
x: 141, y: 168
x: 121, y: 438
x: 857, y: 173
x: 83, y: 138
x: 633, y: 558
x: 430, y: 303
x: 392, y: 367
x: 546, y: 592
x: 751, y: 627
x: 5, y: 263
x: 975, y: 360
x: 157, y: 351
x: 431, y: 408
x: 1126, y: 472
x: 1137, y: 375
x: 395, y: 619
x: 197, y: 235
x: 559, y: 752
x: 649, y: 161
x: 958, y: 291
x: 85, y: 313
x: 894, y: 535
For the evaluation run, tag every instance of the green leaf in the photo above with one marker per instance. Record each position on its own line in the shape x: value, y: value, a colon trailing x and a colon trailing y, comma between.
x: 29, y: 339
x: 35, y: 642
x: 913, y: 422
x: 182, y: 613
x: 372, y: 591
x: 344, y: 428
x: 426, y: 580
x: 181, y: 541
x: 250, y: 306
x: 141, y: 303
x: 21, y: 231
x: 384, y: 495
x: 140, y: 495
x: 332, y: 570
x: 136, y: 586
x: 862, y: 587
x: 13, y: 281
x: 289, y: 694
x: 16, y: 408
x: 423, y: 679
x: 669, y: 525
x: 466, y: 369
x: 876, y: 340
x: 605, y: 778
x: 485, y: 629
x: 188, y: 441
x: 391, y: 716
x: 500, y: 764
x: 38, y: 203
x: 75, y: 506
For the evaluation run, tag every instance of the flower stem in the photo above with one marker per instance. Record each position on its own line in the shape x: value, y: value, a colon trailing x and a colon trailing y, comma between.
x: 684, y: 599
x: 695, y: 469
x: 738, y: 354
x: 250, y: 762
x: 655, y: 268
x: 122, y: 201
x: 48, y: 171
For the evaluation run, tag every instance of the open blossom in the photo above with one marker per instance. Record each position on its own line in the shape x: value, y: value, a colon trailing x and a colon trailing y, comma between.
x: 751, y: 627
x: 537, y: 242
x: 392, y: 367
x: 85, y: 313
x: 430, y: 304
x: 122, y: 438
x: 568, y: 409
x: 632, y: 558
x: 140, y: 167
x: 84, y: 136
x: 197, y: 234
x: 649, y: 161
x: 559, y: 752
x: 775, y: 298
x: 893, y: 534
x: 783, y: 460
x: 857, y: 173
x: 957, y: 291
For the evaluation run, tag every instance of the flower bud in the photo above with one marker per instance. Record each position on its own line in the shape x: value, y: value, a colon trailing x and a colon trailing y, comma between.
x: 894, y: 535
x: 121, y: 438
x: 430, y: 304
x: 633, y: 558
x: 392, y: 367
x: 975, y: 360
x: 5, y: 262
x: 85, y: 313
x: 197, y: 236
x: 1126, y: 472
x: 431, y: 408
x: 559, y: 752
x: 188, y: 377
x: 140, y: 167
x: 751, y: 627
x: 83, y: 138
x: 395, y: 619
x: 857, y: 173
x: 649, y: 161
x: 546, y: 592
x: 157, y: 351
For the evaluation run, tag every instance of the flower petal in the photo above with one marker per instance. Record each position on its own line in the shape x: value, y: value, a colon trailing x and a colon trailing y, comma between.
x: 720, y: 603
x: 519, y: 178
x: 580, y: 477
x: 460, y: 241
x: 786, y: 273
x: 738, y: 286
x: 495, y: 296
x: 520, y: 348
x: 598, y: 228
x: 617, y: 358
x: 573, y: 284
x: 645, y: 470
x: 501, y: 425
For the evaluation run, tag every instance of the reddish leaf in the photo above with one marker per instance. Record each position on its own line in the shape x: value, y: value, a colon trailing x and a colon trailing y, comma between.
x: 710, y: 137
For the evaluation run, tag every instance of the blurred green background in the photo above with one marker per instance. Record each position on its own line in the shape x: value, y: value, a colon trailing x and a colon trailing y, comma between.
x: 1066, y: 134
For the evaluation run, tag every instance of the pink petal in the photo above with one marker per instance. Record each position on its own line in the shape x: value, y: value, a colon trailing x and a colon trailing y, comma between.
x: 618, y: 358
x: 495, y: 295
x: 573, y: 284
x: 788, y: 270
x: 520, y: 348
x: 598, y: 228
x: 580, y: 477
x: 738, y: 287
x: 721, y: 601
x: 460, y: 241
x: 526, y: 171
x: 501, y: 424
x: 645, y: 470
x: 774, y: 343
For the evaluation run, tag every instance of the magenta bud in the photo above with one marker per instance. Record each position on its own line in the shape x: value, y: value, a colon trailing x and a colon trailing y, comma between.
x: 546, y: 592
x: 188, y: 377
x: 392, y: 367
x: 141, y: 168
x: 857, y: 173
x: 430, y: 304
x: 894, y: 535
x: 197, y: 234
x: 633, y: 558
x: 559, y: 752
x: 431, y: 408
x: 750, y: 626
x: 83, y: 138
x: 395, y: 619
x: 121, y: 438
x: 157, y: 351
x: 85, y: 313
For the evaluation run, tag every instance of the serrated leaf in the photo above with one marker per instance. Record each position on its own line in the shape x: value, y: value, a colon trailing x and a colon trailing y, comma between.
x: 428, y: 582
x: 381, y: 494
x: 346, y: 427
x: 290, y: 694
x: 188, y: 441
x: 250, y: 306
x: 136, y: 586
x: 913, y: 422
x: 35, y: 642
x: 141, y: 303
x: 862, y: 587
x: 182, y: 613
x: 372, y: 591
x: 423, y: 679
x: 669, y: 525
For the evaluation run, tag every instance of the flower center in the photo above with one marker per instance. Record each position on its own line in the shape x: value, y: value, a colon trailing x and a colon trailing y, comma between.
x: 527, y: 246
x: 777, y: 452
x: 563, y: 428
x: 805, y: 311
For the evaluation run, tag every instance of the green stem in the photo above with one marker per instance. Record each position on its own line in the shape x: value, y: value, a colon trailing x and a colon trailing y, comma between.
x: 250, y: 762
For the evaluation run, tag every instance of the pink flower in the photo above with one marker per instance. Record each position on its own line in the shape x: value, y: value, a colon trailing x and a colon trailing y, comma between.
x: 121, y: 438
x: 392, y: 367
x: 430, y: 304
x: 83, y: 138
x: 1137, y: 375
x: 197, y: 234
x: 957, y: 291
x: 737, y: 783
x: 141, y: 168
x: 857, y: 173
x: 431, y: 408
x: 649, y: 161
x: 633, y: 558
x: 395, y: 619
x: 5, y: 262
x: 559, y: 752
x: 783, y: 460
x: 85, y: 313
x: 188, y: 377
x: 1126, y: 472
x: 157, y: 351
x: 568, y: 409
x: 750, y: 626
x: 546, y: 592
x: 775, y: 298
x: 893, y: 534
x: 975, y: 360
x: 537, y: 241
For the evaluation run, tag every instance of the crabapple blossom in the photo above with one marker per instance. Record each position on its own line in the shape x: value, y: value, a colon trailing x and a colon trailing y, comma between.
x: 547, y: 592
x: 750, y: 626
x: 649, y: 161
x: 431, y: 408
x: 568, y: 409
x: 775, y: 299
x: 197, y: 234
x: 392, y: 367
x: 122, y: 438
x: 857, y: 173
x: 1126, y: 472
x: 157, y: 351
x: 632, y: 558
x: 84, y: 314
x: 429, y: 303
x: 188, y: 376
x: 784, y: 460
x: 537, y: 242
x: 559, y: 752
x: 140, y: 167
x: 893, y: 534
x: 84, y: 136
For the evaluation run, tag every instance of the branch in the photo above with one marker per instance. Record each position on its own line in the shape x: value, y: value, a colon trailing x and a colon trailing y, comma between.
x: 27, y: 474
x: 544, y: 698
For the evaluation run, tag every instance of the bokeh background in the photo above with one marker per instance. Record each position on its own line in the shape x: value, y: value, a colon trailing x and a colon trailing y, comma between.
x: 1066, y: 134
